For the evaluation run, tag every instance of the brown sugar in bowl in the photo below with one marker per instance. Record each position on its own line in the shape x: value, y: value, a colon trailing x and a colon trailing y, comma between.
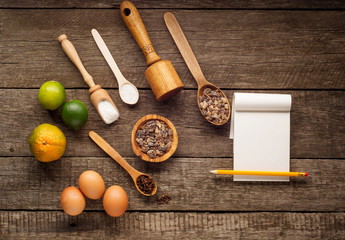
x: 136, y: 148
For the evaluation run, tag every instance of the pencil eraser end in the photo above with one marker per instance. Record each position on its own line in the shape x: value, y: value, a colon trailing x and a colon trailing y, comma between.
x: 306, y: 174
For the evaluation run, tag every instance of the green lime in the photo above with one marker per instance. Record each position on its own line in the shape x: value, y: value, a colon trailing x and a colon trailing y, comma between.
x: 52, y: 95
x: 74, y: 114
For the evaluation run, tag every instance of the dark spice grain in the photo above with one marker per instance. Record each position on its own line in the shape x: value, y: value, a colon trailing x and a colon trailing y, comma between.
x: 165, y: 198
x: 154, y: 138
x: 146, y: 184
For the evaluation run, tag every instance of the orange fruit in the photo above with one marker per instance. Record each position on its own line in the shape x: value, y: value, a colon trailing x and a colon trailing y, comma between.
x: 47, y: 143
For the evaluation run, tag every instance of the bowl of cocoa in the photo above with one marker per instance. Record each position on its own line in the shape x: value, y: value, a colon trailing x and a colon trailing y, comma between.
x: 154, y: 138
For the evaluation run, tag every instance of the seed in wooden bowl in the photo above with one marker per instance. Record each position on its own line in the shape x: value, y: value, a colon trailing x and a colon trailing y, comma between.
x: 146, y: 184
x: 154, y: 138
x: 214, y: 105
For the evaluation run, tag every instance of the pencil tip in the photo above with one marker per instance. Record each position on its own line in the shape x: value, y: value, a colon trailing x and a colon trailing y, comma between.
x: 213, y: 171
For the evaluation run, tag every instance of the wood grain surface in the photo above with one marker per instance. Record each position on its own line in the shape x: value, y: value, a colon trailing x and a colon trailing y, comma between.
x: 193, y: 4
x: 173, y: 225
x: 270, y: 46
x: 28, y: 184
x: 317, y: 129
x: 236, y: 50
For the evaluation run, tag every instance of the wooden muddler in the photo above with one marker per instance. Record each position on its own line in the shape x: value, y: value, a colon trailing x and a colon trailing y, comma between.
x: 97, y: 94
x: 160, y: 74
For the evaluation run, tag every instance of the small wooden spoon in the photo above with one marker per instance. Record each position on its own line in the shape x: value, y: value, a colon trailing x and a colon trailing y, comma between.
x: 128, y: 92
x: 191, y: 61
x: 119, y: 159
x: 97, y: 94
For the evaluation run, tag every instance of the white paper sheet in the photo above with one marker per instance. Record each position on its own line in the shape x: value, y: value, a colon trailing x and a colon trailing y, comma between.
x: 260, y: 127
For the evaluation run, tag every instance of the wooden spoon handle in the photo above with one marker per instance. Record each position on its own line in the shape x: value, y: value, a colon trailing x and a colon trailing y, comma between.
x: 136, y: 26
x: 114, y: 154
x: 70, y: 51
x: 108, y: 57
x: 184, y: 47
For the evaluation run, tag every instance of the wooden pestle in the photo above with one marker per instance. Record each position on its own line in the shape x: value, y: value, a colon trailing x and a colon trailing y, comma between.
x: 97, y: 94
x: 161, y: 75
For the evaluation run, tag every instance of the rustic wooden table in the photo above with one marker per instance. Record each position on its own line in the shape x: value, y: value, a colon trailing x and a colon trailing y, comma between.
x: 295, y: 47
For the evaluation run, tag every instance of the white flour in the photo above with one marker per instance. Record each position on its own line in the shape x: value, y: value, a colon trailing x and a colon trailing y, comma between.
x: 129, y: 94
x: 108, y: 112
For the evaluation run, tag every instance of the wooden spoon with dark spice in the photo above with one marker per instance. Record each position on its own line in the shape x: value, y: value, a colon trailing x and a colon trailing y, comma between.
x: 143, y: 182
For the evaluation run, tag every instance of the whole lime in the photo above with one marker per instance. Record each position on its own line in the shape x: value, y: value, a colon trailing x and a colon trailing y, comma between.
x: 52, y: 95
x: 74, y: 114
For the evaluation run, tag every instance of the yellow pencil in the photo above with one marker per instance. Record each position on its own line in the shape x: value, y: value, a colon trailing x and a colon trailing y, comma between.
x: 260, y: 173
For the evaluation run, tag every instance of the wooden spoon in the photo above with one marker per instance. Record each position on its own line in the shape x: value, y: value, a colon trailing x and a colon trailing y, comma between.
x: 191, y: 61
x: 97, y: 94
x: 128, y: 92
x: 119, y: 159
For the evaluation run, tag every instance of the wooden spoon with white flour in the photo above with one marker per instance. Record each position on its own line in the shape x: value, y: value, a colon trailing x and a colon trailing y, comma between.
x: 128, y: 92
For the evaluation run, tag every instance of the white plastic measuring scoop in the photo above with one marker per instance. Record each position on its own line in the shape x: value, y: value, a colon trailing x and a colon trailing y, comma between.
x: 128, y: 92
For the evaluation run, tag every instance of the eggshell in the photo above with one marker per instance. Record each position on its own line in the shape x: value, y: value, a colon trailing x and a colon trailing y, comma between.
x: 91, y: 184
x: 115, y: 201
x: 72, y: 201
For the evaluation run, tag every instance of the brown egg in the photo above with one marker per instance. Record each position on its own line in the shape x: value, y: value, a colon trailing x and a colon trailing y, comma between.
x: 91, y: 184
x: 72, y: 201
x: 115, y: 201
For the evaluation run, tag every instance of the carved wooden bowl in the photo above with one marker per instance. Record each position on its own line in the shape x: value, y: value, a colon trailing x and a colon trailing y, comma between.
x: 136, y: 147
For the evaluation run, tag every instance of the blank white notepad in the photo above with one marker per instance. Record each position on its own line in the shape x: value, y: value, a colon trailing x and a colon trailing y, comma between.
x: 260, y: 127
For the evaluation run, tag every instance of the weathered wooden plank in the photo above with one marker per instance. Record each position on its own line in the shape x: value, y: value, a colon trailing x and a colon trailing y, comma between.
x: 236, y: 50
x: 317, y: 124
x: 199, y: 4
x: 173, y: 225
x: 26, y: 183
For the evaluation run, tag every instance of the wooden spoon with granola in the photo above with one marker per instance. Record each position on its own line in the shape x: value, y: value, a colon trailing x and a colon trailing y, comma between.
x: 212, y: 102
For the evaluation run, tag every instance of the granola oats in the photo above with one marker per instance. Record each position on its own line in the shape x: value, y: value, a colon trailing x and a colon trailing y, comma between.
x: 154, y: 138
x: 214, y: 105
